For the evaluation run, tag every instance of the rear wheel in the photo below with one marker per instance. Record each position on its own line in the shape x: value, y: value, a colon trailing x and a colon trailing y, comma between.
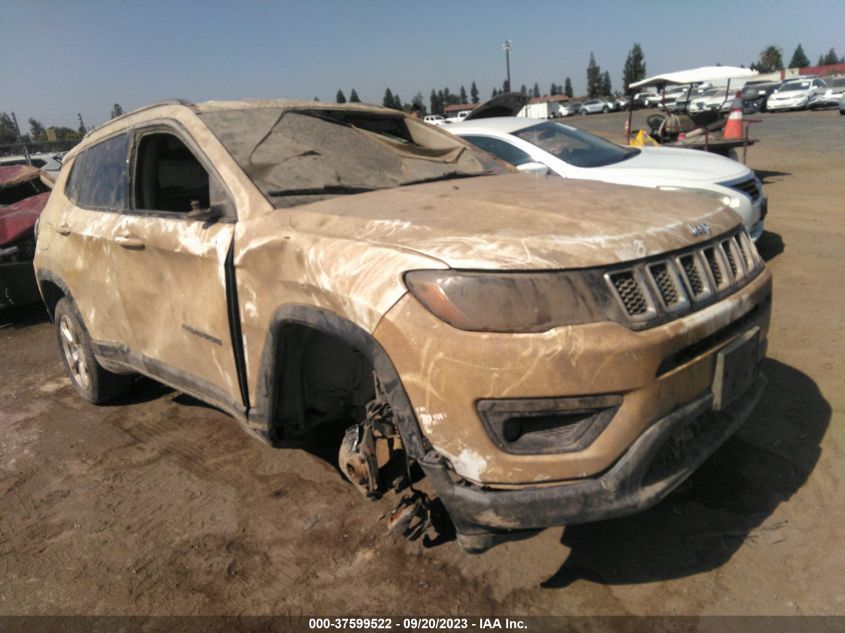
x: 92, y: 382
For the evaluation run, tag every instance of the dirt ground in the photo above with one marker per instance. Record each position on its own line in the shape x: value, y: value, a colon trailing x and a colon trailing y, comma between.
x: 161, y: 505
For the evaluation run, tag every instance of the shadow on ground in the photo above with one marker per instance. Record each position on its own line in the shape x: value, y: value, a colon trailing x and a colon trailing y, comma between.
x: 723, y: 506
x: 23, y: 316
x: 767, y: 177
x: 770, y: 245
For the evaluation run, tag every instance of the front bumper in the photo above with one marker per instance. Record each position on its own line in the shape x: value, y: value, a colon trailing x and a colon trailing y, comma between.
x: 17, y: 284
x: 654, y: 465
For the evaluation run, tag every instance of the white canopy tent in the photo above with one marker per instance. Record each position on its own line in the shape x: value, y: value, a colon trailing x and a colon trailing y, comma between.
x: 696, y: 76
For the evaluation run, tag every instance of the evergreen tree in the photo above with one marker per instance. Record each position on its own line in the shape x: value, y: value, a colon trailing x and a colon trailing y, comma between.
x: 606, y: 88
x: 567, y: 88
x: 473, y: 92
x: 388, y: 101
x: 799, y: 58
x: 340, y: 98
x: 634, y: 68
x: 463, y: 95
x: 353, y: 97
x: 771, y: 59
x: 36, y: 130
x: 593, y: 78
x: 433, y: 102
x: 506, y: 86
x: 536, y: 91
x: 397, y: 102
x: 830, y: 58
x: 494, y: 93
x: 8, y: 133
x: 116, y: 111
x: 523, y: 90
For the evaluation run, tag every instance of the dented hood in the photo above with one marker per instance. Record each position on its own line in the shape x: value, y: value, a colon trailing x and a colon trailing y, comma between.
x: 20, y: 217
x: 519, y: 221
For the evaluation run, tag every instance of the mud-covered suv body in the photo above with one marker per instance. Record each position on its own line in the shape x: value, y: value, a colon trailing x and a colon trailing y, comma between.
x: 550, y: 352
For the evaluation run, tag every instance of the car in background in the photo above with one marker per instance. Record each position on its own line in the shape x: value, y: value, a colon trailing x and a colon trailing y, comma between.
x: 595, y: 106
x: 842, y: 105
x: 569, y: 108
x: 573, y: 153
x: 50, y: 163
x: 434, y: 119
x: 755, y: 95
x: 705, y: 99
x: 24, y: 191
x: 795, y: 94
x: 829, y: 98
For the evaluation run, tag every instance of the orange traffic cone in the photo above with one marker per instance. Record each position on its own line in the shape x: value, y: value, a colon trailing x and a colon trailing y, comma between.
x: 733, y: 127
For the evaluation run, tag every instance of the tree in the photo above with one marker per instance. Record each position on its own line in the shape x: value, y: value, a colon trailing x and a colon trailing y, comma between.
x: 771, y: 59
x: 523, y: 89
x: 606, y: 88
x: 66, y: 134
x: 473, y: 92
x: 506, y: 86
x: 340, y: 97
x: 463, y: 94
x: 37, y: 131
x: 567, y: 88
x: 434, y: 104
x: 799, y: 58
x: 116, y: 111
x: 397, y: 102
x: 830, y: 58
x: 494, y: 93
x: 536, y: 91
x: 387, y: 102
x: 8, y: 133
x: 353, y: 97
x: 593, y: 78
x: 634, y: 68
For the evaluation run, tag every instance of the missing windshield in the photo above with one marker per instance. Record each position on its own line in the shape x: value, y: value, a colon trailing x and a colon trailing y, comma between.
x: 298, y: 155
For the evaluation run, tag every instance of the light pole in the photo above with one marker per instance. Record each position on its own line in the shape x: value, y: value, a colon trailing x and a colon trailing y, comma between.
x: 507, y: 46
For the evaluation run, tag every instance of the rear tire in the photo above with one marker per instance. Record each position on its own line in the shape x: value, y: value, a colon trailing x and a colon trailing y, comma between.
x: 92, y: 382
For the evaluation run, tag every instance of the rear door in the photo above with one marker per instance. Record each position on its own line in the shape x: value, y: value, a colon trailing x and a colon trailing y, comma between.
x: 171, y: 265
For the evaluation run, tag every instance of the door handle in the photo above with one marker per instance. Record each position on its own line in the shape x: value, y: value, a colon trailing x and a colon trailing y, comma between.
x: 127, y: 241
x: 63, y: 229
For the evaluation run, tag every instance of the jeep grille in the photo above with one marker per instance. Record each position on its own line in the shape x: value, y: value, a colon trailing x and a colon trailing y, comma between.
x: 667, y: 286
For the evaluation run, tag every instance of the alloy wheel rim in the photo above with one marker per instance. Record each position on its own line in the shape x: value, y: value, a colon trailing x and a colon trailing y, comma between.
x: 73, y: 352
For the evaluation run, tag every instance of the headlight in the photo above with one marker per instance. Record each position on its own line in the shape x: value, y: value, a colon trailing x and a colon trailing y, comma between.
x: 505, y: 302
x: 729, y: 201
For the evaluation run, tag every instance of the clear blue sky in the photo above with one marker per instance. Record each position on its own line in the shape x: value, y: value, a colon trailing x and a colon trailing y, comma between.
x: 60, y: 58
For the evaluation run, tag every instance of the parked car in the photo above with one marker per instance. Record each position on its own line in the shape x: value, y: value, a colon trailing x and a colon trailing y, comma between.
x: 543, y: 351
x: 645, y: 100
x: 570, y: 108
x: 830, y: 97
x: 594, y: 106
x: 794, y: 94
x: 23, y: 193
x: 704, y: 99
x: 50, y: 163
x: 573, y: 153
x: 460, y: 116
x: 435, y: 119
x: 755, y: 95
x: 842, y: 105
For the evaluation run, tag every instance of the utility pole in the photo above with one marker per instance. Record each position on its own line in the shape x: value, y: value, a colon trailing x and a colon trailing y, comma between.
x: 20, y: 138
x: 507, y: 46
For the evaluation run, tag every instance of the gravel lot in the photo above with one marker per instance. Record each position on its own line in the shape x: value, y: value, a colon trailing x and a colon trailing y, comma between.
x: 161, y: 505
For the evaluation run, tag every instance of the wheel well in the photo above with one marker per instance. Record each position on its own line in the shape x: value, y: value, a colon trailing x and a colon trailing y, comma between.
x: 322, y: 380
x: 52, y: 294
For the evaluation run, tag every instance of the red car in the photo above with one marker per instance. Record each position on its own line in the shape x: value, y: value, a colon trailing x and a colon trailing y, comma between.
x: 24, y: 191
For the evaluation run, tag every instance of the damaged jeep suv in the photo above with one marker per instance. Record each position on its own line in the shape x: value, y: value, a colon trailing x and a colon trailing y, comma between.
x: 528, y: 350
